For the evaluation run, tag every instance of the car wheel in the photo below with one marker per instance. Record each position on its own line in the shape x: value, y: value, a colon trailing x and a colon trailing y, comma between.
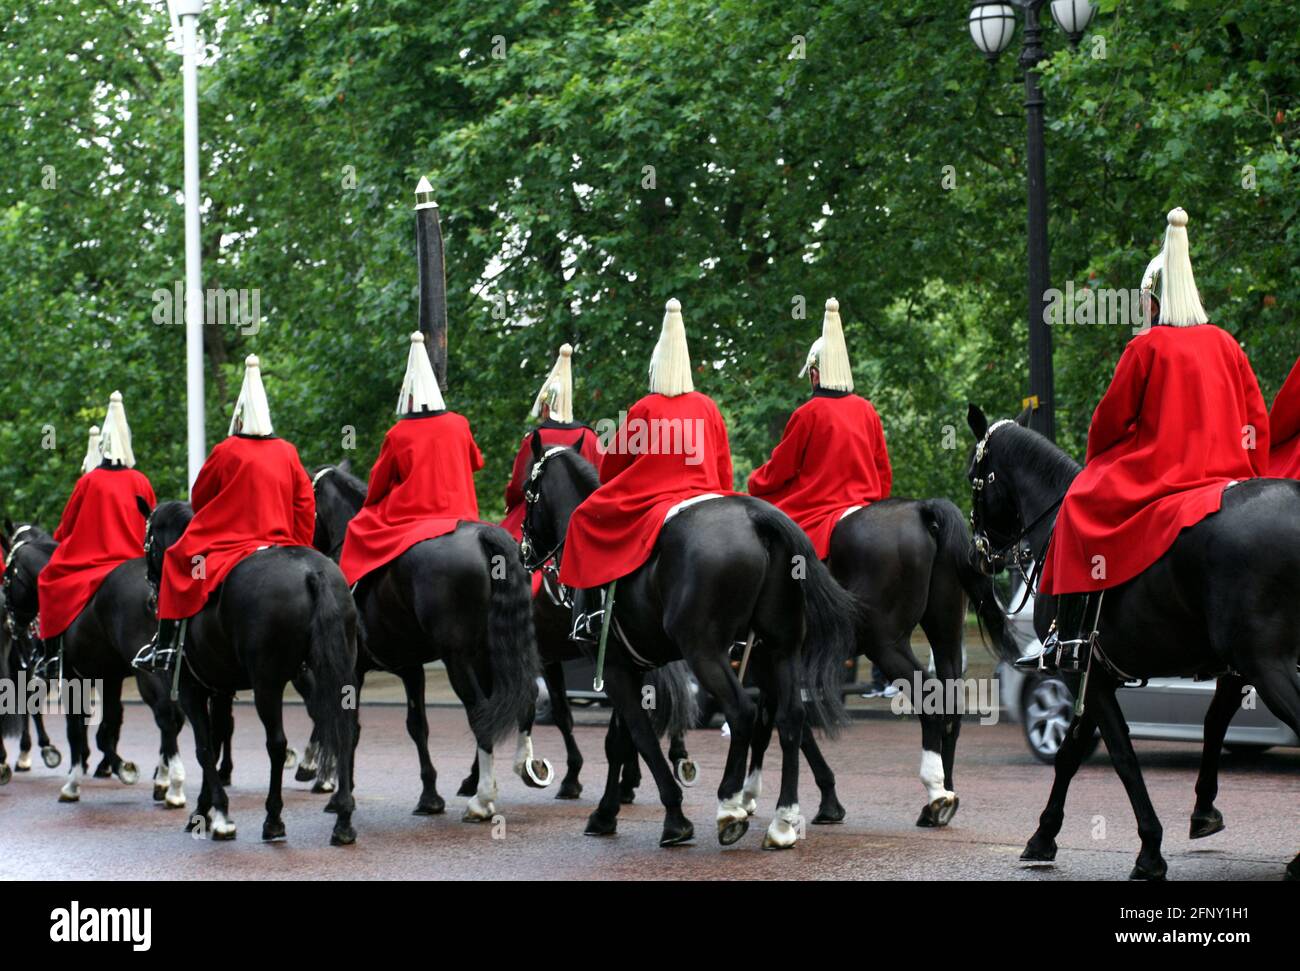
x: 1048, y: 707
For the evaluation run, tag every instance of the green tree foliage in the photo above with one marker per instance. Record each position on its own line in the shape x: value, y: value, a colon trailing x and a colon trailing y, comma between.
x: 592, y: 158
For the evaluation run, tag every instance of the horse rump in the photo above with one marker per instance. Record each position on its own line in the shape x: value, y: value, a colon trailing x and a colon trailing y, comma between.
x: 829, y: 611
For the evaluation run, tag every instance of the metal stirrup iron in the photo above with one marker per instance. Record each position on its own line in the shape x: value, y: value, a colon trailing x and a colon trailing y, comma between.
x: 180, y: 650
x: 598, y: 682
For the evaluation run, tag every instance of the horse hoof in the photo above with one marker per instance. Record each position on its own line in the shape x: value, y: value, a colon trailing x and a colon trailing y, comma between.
x: 1293, y: 870
x: 1039, y: 852
x: 159, y: 793
x: 343, y: 836
x: 731, y: 830
x: 569, y: 790
x: 1206, y: 824
x: 598, y: 825
x: 128, y: 774
x: 224, y: 835
x: 104, y: 770
x: 537, y: 773
x: 51, y: 756
x: 938, y: 813
x: 829, y: 814
x: 224, y: 777
x: 195, y: 822
x: 24, y: 763
x: 323, y: 786
x: 329, y: 808
x: 272, y: 831
x: 686, y: 772
x: 677, y: 832
x: 69, y: 796
x: 430, y: 807
x: 468, y: 787
x: 174, y: 802
x: 290, y: 757
x: 477, y: 811
x: 6, y: 773
x: 627, y: 796
x: 304, y: 773
x: 1154, y: 873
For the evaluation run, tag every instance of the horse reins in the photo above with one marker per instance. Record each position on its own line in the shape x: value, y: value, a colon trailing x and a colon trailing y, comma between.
x: 549, y: 562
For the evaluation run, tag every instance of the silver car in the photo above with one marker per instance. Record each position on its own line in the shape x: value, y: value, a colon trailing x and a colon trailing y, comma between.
x: 1168, y: 709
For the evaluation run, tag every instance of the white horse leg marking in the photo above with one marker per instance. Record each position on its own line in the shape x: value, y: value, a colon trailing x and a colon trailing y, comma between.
x: 783, y: 833
x: 753, y: 789
x: 24, y: 760
x: 523, y: 753
x: 932, y: 776
x: 732, y: 810
x: 482, y: 805
x: 222, y: 828
x: 527, y: 766
x: 175, y: 775
x: 71, y: 791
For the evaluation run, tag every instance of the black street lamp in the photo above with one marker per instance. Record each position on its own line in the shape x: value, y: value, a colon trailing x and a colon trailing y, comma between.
x: 992, y: 22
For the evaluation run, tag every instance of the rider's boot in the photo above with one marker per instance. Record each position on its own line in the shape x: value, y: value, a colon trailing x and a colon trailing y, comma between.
x: 588, y: 615
x: 1064, y: 648
x: 49, y: 666
x: 158, y: 656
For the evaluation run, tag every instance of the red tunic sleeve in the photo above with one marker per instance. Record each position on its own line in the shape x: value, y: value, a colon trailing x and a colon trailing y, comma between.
x: 304, y: 506
x: 883, y: 468
x: 70, y: 511
x: 475, y: 454
x: 786, y: 460
x: 1256, y: 415
x: 726, y: 475
x: 384, y: 474
x: 1117, y: 412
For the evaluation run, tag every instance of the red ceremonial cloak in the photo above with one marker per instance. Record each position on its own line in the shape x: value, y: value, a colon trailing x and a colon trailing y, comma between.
x: 1182, y: 418
x: 101, y: 529
x: 831, y: 458
x: 1284, y: 429
x: 251, y: 493
x: 552, y: 433
x: 421, y: 486
x: 665, y: 451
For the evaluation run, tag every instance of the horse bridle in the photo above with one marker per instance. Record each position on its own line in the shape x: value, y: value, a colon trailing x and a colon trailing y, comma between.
x: 14, y: 627
x: 549, y: 562
x: 1015, y: 552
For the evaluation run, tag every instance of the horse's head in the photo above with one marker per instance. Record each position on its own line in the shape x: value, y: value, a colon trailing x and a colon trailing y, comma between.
x: 560, y: 478
x: 164, y: 525
x: 27, y: 549
x: 339, y: 496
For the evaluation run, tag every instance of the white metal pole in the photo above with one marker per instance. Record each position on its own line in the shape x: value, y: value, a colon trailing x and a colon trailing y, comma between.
x: 197, y: 447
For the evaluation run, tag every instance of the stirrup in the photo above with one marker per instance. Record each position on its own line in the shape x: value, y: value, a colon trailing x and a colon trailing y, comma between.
x: 41, y: 669
x: 152, y: 659
x: 586, y: 627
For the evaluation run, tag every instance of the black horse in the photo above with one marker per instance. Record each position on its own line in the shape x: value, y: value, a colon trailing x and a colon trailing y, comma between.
x: 98, y: 647
x: 721, y: 570
x: 462, y: 598
x: 280, y: 609
x: 16, y: 652
x: 1219, y: 603
x: 906, y: 562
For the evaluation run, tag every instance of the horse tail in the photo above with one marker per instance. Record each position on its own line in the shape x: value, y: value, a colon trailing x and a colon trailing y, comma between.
x: 955, y: 550
x: 512, y: 643
x: 332, y: 660
x: 828, y: 609
x: 676, y: 704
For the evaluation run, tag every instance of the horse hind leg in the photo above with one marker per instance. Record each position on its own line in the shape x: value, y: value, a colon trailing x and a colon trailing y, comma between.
x: 269, y: 701
x: 1279, y: 686
x: 417, y: 726
x: 1206, y: 818
x: 943, y: 622
x: 562, y: 714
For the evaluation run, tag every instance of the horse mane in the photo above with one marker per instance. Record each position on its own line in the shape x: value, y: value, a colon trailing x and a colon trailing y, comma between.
x: 580, y: 470
x: 1034, y: 453
x: 351, y: 486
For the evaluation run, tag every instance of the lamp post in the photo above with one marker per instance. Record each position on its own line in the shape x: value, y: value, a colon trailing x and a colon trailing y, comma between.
x: 991, y: 23
x: 185, y: 28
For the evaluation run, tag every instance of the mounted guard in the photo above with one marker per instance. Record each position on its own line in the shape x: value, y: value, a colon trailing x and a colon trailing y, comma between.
x: 252, y: 493
x: 670, y: 447
x: 832, y: 459
x: 1182, y: 420
x: 100, y: 529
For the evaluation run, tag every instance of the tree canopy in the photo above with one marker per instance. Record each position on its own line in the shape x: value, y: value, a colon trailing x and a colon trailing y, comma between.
x: 591, y: 159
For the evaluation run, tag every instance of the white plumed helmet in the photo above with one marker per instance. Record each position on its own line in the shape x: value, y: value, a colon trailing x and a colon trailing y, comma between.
x: 1180, y: 304
x: 557, y: 391
x: 670, y: 364
x: 93, y: 456
x: 252, y: 413
x: 420, y: 391
x: 830, y: 354
x: 115, y: 436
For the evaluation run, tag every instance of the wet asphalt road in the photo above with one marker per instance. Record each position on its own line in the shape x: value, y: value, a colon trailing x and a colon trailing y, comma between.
x: 118, y: 832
